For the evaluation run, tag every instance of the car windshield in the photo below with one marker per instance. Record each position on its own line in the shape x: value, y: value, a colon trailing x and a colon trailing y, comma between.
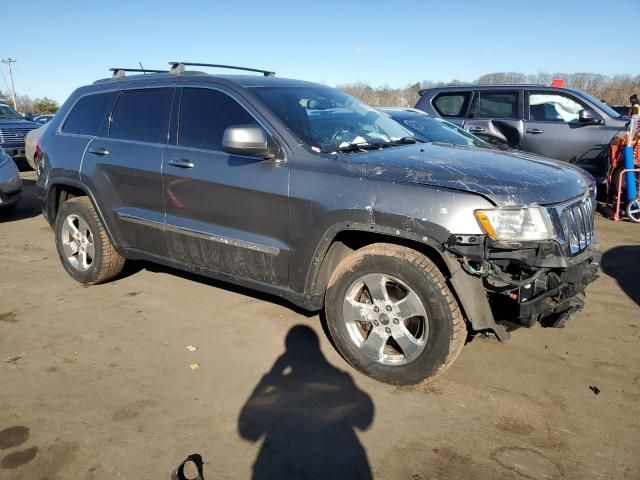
x: 8, y: 113
x: 330, y: 121
x: 430, y: 129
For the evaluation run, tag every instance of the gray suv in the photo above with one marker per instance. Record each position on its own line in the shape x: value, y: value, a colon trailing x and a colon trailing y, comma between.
x: 301, y: 191
x: 560, y: 123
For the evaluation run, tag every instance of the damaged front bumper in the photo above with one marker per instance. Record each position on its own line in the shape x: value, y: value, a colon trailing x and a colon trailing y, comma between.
x: 521, y: 283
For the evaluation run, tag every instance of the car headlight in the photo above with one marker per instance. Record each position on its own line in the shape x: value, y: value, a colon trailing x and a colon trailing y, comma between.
x: 518, y: 224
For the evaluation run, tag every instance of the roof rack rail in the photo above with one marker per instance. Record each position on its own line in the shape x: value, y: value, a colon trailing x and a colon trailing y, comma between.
x: 120, y: 72
x: 178, y: 67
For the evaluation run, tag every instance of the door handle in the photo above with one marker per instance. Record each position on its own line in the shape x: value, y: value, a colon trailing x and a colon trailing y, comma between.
x: 534, y: 131
x: 476, y: 129
x: 181, y: 163
x: 99, y: 151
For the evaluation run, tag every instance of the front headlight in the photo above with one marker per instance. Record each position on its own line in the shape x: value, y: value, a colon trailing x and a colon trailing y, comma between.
x: 518, y: 224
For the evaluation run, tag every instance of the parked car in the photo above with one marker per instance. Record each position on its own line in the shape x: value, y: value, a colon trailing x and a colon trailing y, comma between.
x: 42, y: 119
x: 10, y: 184
x: 301, y: 191
x: 31, y: 146
x: 433, y: 129
x: 561, y: 123
x: 13, y: 128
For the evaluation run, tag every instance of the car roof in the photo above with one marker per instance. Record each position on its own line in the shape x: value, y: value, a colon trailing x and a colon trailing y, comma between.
x: 495, y: 86
x: 246, y: 81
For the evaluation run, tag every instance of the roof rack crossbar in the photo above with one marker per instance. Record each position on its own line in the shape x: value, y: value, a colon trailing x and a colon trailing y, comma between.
x: 178, y: 68
x: 120, y: 72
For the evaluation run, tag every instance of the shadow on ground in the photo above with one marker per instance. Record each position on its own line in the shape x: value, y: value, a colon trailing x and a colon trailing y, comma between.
x: 307, y: 411
x: 619, y: 263
x: 29, y: 205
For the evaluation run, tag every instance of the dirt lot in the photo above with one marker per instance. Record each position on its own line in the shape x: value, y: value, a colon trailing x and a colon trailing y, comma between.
x: 96, y: 382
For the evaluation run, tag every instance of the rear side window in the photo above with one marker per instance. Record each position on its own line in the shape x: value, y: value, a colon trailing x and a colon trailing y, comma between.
x: 142, y: 115
x: 452, y: 104
x: 87, y: 114
x: 204, y: 116
x: 491, y: 104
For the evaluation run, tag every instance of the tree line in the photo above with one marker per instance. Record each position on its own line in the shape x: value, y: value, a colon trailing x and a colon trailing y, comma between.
x: 614, y: 90
x: 26, y: 104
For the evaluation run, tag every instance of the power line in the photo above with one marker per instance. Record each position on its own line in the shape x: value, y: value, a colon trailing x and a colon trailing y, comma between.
x: 25, y: 82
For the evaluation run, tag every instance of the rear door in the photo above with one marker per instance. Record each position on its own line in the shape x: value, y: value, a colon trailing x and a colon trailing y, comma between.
x: 496, y: 116
x: 552, y: 129
x: 123, y: 168
x: 228, y: 213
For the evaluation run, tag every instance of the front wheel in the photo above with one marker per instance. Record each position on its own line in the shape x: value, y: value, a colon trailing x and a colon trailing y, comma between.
x: 392, y: 316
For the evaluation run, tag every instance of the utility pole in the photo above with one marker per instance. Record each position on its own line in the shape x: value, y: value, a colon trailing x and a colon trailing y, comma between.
x: 9, y: 61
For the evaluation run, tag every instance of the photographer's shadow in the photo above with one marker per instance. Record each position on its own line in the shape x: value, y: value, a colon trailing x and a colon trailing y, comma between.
x: 307, y: 410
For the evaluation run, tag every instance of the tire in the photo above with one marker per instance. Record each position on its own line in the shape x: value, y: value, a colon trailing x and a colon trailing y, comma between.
x: 428, y: 342
x: 101, y: 262
x: 633, y: 210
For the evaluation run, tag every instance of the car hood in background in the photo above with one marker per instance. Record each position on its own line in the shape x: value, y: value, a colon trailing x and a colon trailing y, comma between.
x: 18, y: 124
x: 505, y: 178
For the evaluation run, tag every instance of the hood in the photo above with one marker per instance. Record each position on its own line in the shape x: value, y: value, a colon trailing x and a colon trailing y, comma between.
x: 18, y: 124
x: 505, y: 178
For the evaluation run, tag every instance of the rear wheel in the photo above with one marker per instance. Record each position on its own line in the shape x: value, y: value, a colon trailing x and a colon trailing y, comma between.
x: 83, y: 245
x: 391, y: 315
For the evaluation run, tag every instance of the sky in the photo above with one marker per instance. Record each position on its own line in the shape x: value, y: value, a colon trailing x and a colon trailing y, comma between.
x: 64, y: 44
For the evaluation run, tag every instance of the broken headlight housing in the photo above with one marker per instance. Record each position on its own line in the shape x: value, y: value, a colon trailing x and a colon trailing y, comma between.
x: 515, y: 224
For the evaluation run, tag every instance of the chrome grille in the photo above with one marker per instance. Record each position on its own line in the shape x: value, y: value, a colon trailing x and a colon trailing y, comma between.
x: 13, y: 135
x: 576, y: 225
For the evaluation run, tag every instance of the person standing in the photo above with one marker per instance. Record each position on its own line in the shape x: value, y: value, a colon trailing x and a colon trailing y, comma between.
x: 635, y: 105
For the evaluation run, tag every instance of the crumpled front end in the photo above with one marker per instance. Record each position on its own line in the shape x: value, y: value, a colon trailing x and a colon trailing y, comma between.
x: 536, y: 281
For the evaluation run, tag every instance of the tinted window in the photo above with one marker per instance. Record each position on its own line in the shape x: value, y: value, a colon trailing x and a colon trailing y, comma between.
x: 551, y: 107
x: 495, y: 105
x: 452, y: 104
x: 87, y: 114
x: 204, y: 116
x: 142, y: 115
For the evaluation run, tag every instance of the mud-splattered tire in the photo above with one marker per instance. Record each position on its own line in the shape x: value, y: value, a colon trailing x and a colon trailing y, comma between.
x: 392, y: 316
x: 83, y: 245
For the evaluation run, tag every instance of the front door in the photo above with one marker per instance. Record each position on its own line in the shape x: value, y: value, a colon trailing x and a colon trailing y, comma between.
x: 224, y: 212
x: 552, y: 129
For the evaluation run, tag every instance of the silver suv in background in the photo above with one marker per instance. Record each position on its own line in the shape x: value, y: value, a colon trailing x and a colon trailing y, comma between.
x: 560, y: 123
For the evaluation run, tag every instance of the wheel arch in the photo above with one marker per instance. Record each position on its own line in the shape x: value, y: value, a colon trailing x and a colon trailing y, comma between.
x: 63, y: 190
x: 340, y: 241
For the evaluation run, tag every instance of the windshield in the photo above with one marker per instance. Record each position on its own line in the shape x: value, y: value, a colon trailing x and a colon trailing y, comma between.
x: 603, y: 106
x: 430, y: 129
x: 330, y: 121
x: 7, y: 113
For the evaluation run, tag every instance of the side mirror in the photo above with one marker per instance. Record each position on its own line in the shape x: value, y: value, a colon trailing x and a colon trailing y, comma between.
x: 589, y: 117
x: 249, y: 140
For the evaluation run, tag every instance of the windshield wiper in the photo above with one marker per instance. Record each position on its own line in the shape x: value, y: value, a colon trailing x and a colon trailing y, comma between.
x: 406, y: 141
x: 362, y: 146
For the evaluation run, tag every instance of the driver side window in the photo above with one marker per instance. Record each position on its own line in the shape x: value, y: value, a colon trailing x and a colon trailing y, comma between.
x: 204, y: 116
x: 552, y: 107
